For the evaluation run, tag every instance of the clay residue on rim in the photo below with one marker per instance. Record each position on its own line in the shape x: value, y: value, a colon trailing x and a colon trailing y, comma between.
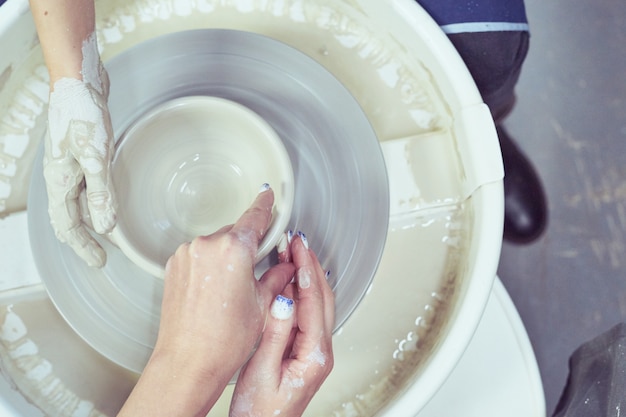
x: 34, y: 368
x: 25, y: 93
x: 331, y: 34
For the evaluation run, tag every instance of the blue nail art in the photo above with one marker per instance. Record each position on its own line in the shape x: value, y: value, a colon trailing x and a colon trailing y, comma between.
x: 283, y: 299
x: 327, y: 274
x: 304, y: 239
x: 264, y: 187
x: 282, y: 308
x: 289, y: 235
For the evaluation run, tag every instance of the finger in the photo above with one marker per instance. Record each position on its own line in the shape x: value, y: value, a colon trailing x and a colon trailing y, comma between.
x: 311, y: 296
x: 91, y: 146
x: 101, y: 202
x: 291, y: 292
x: 315, y: 314
x: 328, y: 294
x: 86, y: 247
x: 274, y: 281
x: 223, y: 229
x: 253, y: 224
x: 284, y: 247
x: 63, y: 180
x: 83, y: 206
x: 314, y: 259
x: 269, y: 355
x: 68, y: 227
x: 311, y: 350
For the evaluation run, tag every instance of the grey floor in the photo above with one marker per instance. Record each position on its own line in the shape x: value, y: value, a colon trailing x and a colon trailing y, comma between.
x: 571, y: 120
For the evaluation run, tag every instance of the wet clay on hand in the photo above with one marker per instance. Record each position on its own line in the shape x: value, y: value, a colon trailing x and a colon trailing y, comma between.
x: 79, y: 147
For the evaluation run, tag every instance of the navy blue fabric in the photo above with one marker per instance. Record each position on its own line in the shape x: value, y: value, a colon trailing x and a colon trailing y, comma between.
x: 477, y: 15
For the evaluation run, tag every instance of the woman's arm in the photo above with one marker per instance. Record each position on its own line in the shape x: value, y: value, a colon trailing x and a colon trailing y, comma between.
x: 64, y: 26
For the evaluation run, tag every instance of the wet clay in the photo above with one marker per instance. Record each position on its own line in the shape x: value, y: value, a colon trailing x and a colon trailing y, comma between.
x: 79, y: 147
x: 19, y: 356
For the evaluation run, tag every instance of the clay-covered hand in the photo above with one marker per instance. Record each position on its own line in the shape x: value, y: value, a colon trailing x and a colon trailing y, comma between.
x: 79, y: 147
x: 294, y: 356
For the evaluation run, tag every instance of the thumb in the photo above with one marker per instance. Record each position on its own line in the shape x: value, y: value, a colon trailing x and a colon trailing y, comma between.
x: 267, y: 359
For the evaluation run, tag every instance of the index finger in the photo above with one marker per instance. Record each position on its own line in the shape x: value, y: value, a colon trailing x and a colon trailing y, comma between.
x: 254, y: 222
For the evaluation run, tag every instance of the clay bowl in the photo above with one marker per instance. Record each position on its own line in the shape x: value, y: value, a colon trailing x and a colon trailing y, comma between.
x: 189, y: 167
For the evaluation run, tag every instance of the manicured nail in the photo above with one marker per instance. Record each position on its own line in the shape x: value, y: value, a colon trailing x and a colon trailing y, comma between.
x: 304, y: 278
x: 282, y: 308
x: 327, y: 274
x: 304, y: 239
x: 289, y: 235
x: 264, y: 187
x: 283, y: 241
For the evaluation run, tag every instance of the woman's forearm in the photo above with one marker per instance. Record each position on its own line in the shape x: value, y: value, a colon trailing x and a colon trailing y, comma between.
x: 169, y: 388
x: 65, y: 29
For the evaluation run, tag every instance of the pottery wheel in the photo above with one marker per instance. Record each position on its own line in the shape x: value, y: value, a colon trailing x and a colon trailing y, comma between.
x: 341, y: 188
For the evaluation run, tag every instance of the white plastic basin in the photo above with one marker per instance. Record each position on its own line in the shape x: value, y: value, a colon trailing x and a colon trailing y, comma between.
x: 445, y: 175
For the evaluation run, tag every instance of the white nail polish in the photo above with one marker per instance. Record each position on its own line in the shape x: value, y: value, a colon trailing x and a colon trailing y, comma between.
x: 264, y: 187
x: 304, y: 278
x: 282, y: 308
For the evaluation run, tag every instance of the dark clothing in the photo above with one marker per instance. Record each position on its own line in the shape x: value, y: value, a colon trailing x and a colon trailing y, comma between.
x: 456, y: 16
x: 492, y: 38
x: 495, y: 61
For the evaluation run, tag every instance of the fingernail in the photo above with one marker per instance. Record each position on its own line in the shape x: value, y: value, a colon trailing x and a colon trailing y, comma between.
x: 304, y: 239
x: 283, y: 241
x: 289, y: 235
x: 304, y: 278
x: 327, y: 274
x: 264, y: 187
x: 282, y: 308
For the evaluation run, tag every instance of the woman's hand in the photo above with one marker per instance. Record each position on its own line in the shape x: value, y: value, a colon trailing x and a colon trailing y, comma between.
x: 295, y: 353
x: 213, y: 313
x: 212, y: 278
